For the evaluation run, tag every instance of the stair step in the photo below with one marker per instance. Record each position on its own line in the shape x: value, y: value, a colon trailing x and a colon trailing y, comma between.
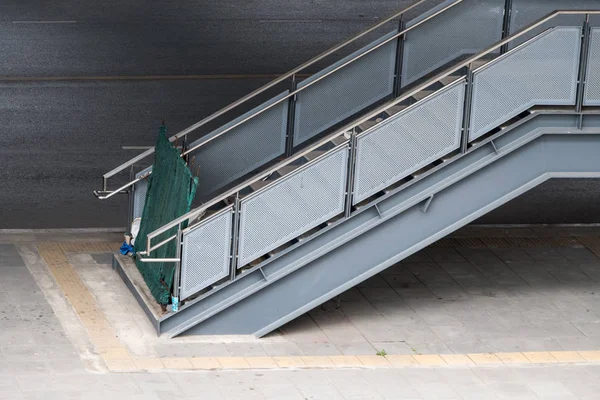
x: 339, y: 140
x: 286, y: 170
x: 479, y: 63
x: 422, y: 94
x: 369, y: 124
x: 314, y: 154
x: 395, y: 110
x: 259, y: 185
x: 308, y: 234
x: 448, y: 80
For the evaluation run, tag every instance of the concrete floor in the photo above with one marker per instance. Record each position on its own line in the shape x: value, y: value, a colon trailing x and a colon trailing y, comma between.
x: 532, y: 306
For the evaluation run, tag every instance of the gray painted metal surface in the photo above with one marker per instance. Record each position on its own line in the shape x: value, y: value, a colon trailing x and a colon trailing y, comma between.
x: 541, y: 72
x: 592, y: 85
x: 463, y: 30
x: 345, y: 92
x: 363, y: 254
x: 409, y: 141
x: 394, y: 203
x: 245, y: 148
x: 205, y: 258
x: 293, y: 205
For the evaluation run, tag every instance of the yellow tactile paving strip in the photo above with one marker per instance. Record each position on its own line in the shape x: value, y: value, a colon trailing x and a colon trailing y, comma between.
x: 118, y: 358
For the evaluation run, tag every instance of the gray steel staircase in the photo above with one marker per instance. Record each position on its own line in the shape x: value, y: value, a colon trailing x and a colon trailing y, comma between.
x: 348, y: 252
x: 410, y: 169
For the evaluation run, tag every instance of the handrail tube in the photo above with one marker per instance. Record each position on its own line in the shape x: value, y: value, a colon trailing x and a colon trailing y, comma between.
x: 348, y: 62
x: 374, y: 113
x: 265, y: 88
x: 133, y: 182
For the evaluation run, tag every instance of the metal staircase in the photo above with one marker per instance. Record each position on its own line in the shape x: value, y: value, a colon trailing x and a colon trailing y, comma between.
x: 377, y: 156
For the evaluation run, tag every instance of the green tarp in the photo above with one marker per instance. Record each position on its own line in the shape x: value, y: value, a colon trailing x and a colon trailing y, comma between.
x: 171, y: 189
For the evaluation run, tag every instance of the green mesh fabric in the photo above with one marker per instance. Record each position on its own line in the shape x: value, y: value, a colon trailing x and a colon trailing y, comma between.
x: 171, y: 189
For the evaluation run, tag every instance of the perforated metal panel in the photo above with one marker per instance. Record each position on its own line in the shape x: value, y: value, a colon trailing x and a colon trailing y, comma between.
x: 293, y: 205
x: 542, y: 72
x: 241, y: 150
x: 409, y: 141
x: 526, y: 12
x: 139, y: 194
x: 465, y: 29
x: 345, y: 92
x: 206, y: 255
x: 592, y: 85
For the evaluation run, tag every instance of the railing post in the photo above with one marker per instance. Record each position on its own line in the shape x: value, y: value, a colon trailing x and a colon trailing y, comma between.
x: 583, y: 68
x: 131, y: 199
x: 177, y: 277
x: 467, y: 110
x: 289, y: 141
x: 351, y: 171
x: 508, y: 5
x: 235, y: 236
x: 399, y: 57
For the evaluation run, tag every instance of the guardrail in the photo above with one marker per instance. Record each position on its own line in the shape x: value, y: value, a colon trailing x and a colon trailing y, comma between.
x: 462, y: 104
x: 105, y: 193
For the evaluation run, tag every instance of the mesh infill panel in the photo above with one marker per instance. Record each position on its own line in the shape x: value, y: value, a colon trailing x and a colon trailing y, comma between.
x: 526, y: 12
x: 592, y: 85
x: 139, y: 194
x: 293, y: 206
x: 543, y: 72
x: 346, y: 91
x: 464, y: 29
x: 409, y: 141
x: 205, y: 258
x: 242, y: 149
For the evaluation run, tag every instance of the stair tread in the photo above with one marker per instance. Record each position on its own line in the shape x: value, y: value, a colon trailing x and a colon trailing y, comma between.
x: 259, y: 185
x: 339, y: 140
x: 448, y: 80
x: 479, y: 63
x: 314, y: 154
x: 395, y: 109
x: 286, y: 170
x: 422, y: 94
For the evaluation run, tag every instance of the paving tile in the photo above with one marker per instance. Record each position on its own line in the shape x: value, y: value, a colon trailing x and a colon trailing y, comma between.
x: 430, y: 347
x: 540, y: 357
x: 282, y: 349
x: 245, y: 350
x: 588, y: 328
x: 176, y: 363
x: 512, y: 358
x: 393, y: 347
x: 319, y: 349
x: 289, y: 362
x: 550, y: 389
x: 317, y: 361
x: 484, y: 358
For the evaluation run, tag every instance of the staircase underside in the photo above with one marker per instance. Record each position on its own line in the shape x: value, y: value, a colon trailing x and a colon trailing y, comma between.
x: 377, y: 236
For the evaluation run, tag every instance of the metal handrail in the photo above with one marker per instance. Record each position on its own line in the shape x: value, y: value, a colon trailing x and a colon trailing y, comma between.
x: 194, y: 213
x: 280, y: 79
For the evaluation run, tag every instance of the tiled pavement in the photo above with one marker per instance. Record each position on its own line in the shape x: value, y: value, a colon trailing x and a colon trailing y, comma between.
x: 537, y: 299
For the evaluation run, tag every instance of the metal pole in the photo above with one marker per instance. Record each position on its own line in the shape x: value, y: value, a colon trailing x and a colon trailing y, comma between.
x: 235, y: 236
x: 177, y: 277
x: 289, y: 143
x: 467, y: 111
x: 506, y: 24
x: 399, y: 57
x: 350, y: 174
x: 583, y: 68
x: 131, y: 199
